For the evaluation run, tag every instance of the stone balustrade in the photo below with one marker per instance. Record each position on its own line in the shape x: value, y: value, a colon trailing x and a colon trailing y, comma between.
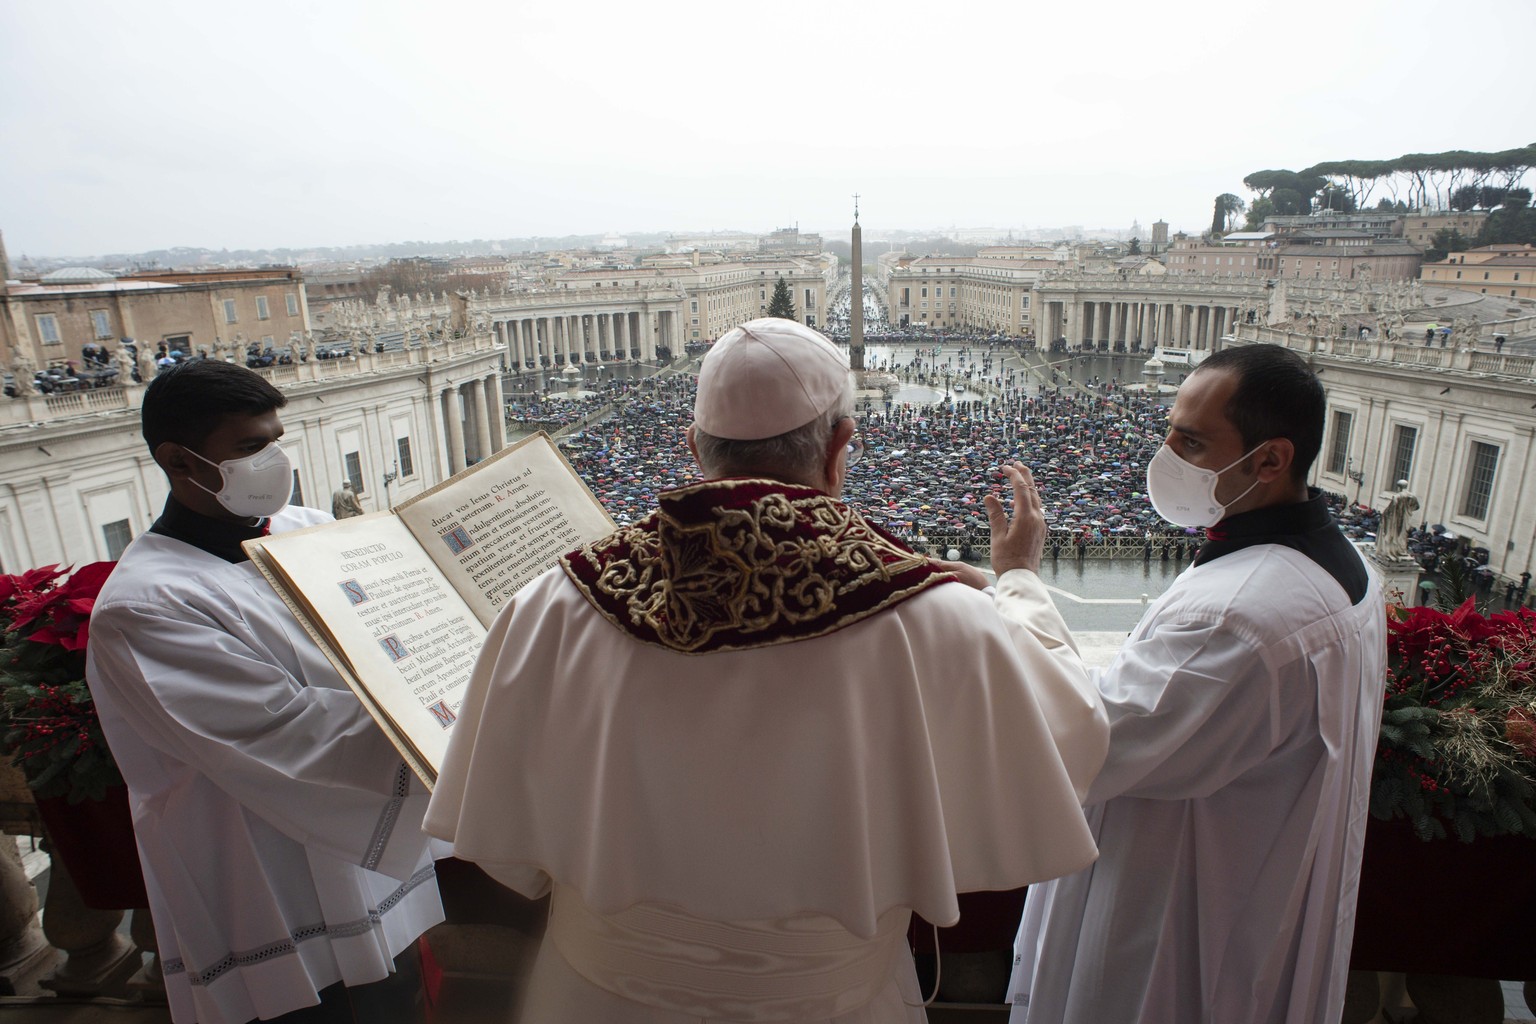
x: 42, y: 410
x: 1462, y: 359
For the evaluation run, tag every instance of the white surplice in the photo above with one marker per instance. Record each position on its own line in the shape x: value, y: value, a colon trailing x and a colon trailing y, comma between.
x: 1230, y: 813
x: 277, y: 827
x: 742, y: 835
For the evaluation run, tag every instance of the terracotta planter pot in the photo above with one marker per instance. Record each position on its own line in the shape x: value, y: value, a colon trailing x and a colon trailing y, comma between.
x: 1446, y: 907
x: 95, y: 840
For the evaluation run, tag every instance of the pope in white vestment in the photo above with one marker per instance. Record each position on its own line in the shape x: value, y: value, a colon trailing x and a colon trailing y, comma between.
x: 278, y: 829
x: 744, y: 739
x: 744, y: 834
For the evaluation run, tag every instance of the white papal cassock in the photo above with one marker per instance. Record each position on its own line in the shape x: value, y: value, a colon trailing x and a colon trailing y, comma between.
x: 743, y: 835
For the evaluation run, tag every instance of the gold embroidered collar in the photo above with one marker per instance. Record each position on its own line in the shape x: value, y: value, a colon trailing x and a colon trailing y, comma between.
x: 732, y: 564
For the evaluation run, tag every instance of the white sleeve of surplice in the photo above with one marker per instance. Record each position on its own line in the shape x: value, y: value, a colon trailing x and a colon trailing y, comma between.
x: 306, y: 759
x: 1068, y: 699
x: 1191, y: 707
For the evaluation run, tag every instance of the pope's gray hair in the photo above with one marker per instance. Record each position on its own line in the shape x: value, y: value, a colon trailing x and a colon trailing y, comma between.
x: 795, y: 456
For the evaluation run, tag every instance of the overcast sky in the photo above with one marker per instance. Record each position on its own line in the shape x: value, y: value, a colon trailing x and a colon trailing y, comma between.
x: 135, y: 126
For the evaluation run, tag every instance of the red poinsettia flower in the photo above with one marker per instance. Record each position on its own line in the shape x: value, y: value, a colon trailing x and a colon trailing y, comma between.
x: 60, y: 612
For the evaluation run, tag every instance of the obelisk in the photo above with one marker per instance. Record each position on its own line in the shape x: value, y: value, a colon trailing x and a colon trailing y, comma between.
x: 856, y: 297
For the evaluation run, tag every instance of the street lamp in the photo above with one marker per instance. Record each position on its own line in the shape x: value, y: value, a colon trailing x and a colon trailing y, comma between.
x: 1354, y: 474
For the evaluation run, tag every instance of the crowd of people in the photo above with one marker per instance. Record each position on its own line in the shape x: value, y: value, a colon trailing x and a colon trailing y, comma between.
x: 925, y: 468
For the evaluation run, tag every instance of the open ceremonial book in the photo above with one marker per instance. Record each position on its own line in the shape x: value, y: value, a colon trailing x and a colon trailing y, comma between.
x: 400, y: 601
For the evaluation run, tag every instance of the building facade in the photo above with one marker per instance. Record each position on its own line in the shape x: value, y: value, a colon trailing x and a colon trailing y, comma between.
x: 1457, y: 424
x: 48, y: 322
x: 1182, y: 315
x: 651, y: 311
x: 982, y: 293
x: 1342, y: 254
x: 1421, y: 227
x: 77, y: 482
x: 1503, y: 270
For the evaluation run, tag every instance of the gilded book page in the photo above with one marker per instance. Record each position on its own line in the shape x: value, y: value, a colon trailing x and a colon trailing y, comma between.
x: 377, y: 603
x: 501, y: 522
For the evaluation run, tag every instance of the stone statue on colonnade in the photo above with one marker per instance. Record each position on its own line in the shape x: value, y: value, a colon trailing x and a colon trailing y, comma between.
x: 1392, y: 534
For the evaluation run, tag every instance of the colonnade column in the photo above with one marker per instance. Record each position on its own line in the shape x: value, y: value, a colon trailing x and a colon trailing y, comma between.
x: 619, y: 325
x: 453, y: 420
x: 578, y: 339
x: 474, y: 421
x: 485, y: 414
x: 496, y: 412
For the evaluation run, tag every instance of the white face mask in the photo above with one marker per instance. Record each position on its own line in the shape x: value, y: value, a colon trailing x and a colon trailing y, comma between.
x: 1185, y: 494
x: 256, y: 486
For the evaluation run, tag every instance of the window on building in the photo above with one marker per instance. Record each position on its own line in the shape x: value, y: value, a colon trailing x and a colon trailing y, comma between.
x: 229, y: 311
x: 117, y: 535
x: 262, y: 312
x: 1338, y: 452
x: 1485, y: 461
x: 403, y: 464
x: 48, y: 329
x: 693, y: 306
x: 1402, y: 454
x: 354, y: 470
x: 101, y: 323
x: 293, y: 304
x: 297, y: 497
x: 925, y: 293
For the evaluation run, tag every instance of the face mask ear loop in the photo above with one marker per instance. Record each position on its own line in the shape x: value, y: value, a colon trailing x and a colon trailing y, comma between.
x: 1240, y: 497
x: 210, y: 462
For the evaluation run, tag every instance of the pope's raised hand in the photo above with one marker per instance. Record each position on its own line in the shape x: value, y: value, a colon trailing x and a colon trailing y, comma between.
x: 1017, y: 541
